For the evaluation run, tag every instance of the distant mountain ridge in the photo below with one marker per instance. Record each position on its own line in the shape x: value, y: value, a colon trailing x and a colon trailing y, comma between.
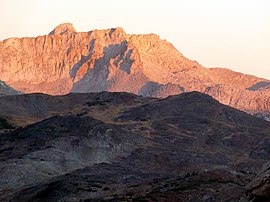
x: 110, y: 60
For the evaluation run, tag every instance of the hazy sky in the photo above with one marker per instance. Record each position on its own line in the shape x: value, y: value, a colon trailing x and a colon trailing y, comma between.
x: 217, y: 33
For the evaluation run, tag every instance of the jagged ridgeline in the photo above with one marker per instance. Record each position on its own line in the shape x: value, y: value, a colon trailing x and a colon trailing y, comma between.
x: 111, y: 60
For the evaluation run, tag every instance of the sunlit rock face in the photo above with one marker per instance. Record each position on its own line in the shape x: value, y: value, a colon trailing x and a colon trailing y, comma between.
x: 110, y: 60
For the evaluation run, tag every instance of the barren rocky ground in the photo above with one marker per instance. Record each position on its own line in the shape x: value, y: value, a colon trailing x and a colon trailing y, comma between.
x: 123, y: 147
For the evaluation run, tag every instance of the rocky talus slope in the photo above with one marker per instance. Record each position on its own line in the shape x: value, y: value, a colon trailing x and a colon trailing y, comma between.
x: 110, y: 60
x: 123, y: 147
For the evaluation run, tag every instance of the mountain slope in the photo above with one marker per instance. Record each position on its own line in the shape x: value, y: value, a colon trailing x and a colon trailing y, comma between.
x: 7, y: 90
x: 121, y: 147
x: 30, y: 108
x: 111, y: 60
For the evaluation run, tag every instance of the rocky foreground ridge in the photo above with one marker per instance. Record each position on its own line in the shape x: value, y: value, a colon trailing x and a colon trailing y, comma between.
x: 122, y: 147
x: 67, y: 61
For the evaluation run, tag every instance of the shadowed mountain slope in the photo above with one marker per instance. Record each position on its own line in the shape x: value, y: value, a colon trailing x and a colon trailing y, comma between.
x: 7, y: 90
x: 123, y: 147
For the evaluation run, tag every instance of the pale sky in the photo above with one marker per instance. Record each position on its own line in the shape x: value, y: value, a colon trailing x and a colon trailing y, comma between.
x: 217, y: 33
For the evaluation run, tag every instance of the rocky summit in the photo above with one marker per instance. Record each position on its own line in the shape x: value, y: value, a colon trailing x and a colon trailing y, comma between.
x: 67, y: 61
x: 123, y: 147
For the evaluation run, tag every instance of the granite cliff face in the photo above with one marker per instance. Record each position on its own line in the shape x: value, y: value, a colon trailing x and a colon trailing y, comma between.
x: 110, y: 60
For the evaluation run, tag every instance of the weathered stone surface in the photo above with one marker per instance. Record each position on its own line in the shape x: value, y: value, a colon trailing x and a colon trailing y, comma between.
x: 258, y: 190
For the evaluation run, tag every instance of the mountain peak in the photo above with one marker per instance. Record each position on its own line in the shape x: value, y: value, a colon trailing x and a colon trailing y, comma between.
x: 63, y: 28
x: 111, y: 60
x: 118, y: 30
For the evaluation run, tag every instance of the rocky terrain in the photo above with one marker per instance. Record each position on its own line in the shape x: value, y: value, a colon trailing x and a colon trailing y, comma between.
x: 7, y: 90
x: 67, y: 61
x: 123, y: 147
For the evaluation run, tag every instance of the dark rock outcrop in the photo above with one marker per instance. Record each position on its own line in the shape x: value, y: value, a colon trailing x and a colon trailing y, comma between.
x: 258, y: 190
x: 7, y: 90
